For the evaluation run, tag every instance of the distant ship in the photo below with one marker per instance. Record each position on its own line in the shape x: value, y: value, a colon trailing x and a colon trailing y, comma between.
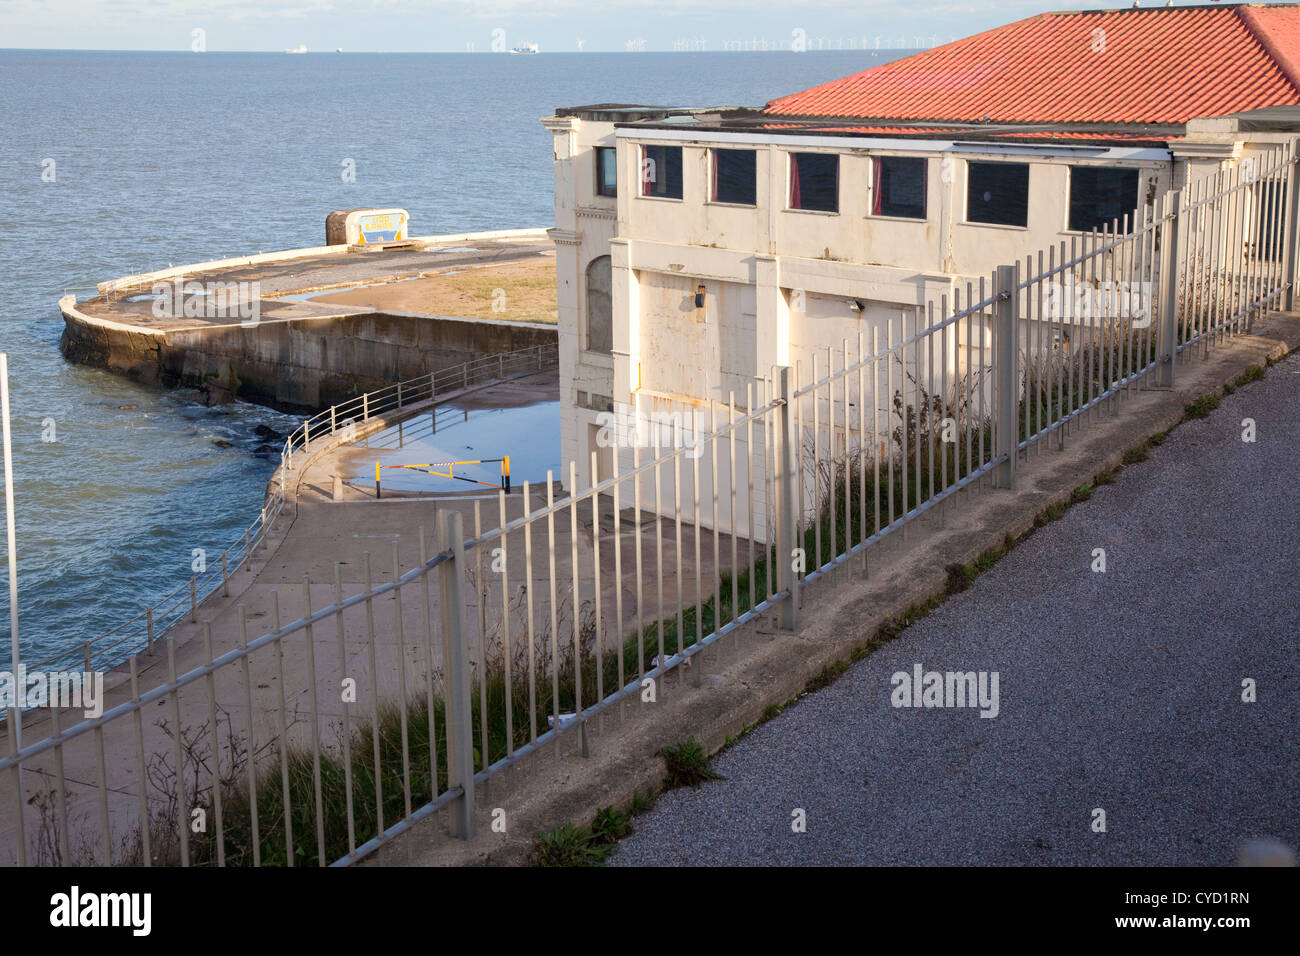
x: 525, y: 48
x: 300, y: 48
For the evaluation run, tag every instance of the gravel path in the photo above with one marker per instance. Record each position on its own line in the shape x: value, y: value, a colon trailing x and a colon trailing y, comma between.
x: 1119, y: 690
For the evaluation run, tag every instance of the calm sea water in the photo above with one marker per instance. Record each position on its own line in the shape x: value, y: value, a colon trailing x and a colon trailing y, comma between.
x: 164, y: 158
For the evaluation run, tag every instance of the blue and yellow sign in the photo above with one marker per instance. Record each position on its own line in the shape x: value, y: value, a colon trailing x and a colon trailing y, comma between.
x: 370, y: 226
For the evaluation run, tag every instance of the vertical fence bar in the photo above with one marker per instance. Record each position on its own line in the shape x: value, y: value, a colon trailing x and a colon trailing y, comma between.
x: 481, y: 590
x: 788, y: 506
x: 860, y: 364
x: 182, y: 800
x: 576, y: 591
x: 507, y: 649
x: 1167, y: 341
x: 528, y: 597
x: 429, y: 666
x: 404, y: 701
x: 16, y: 776
x: 106, y: 844
x: 677, y: 545
x: 142, y: 796
x: 876, y: 447
x: 696, y: 534
x: 1291, y: 247
x: 735, y: 531
x: 1005, y: 376
x: 211, y: 686
x: 455, y: 658
x: 250, y: 764
x: 750, y: 459
x: 917, y: 401
x: 283, y: 738
x: 374, y: 688
x: 555, y: 626
x: 595, y: 582
x: 347, y: 707
x: 927, y: 394
x: 771, y: 515
x: 481, y: 599
x: 618, y: 579
x: 717, y: 553
x: 636, y: 518
x: 61, y: 796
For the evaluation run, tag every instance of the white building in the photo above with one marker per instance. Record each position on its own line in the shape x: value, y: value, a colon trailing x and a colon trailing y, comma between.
x: 698, y: 248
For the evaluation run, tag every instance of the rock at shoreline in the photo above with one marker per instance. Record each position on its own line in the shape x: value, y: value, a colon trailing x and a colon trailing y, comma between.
x: 267, y: 432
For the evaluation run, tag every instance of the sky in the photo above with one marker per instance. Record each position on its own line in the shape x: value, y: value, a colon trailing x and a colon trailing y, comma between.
x: 484, y: 26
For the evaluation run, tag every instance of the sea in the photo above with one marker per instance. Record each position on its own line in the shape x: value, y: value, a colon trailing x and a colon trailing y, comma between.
x: 113, y: 163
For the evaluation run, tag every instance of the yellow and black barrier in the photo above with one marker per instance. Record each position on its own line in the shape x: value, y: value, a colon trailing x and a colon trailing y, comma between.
x: 429, y: 468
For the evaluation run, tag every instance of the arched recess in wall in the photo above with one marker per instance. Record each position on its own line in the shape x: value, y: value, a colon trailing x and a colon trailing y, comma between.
x: 600, y: 311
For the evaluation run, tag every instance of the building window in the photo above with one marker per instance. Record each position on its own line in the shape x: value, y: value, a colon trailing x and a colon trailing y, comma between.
x: 600, y: 311
x: 815, y: 181
x: 606, y: 171
x: 1099, y: 196
x: 661, y: 171
x: 998, y: 193
x: 898, y: 187
x: 735, y: 176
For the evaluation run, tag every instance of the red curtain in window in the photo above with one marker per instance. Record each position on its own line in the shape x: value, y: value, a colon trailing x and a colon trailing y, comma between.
x: 795, y: 202
x: 713, y: 186
x: 877, y: 186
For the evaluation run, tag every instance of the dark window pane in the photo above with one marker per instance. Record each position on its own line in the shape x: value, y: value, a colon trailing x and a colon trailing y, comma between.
x: 735, y: 176
x: 814, y: 181
x: 899, y: 187
x: 998, y: 193
x: 1099, y: 196
x: 606, y: 171
x: 661, y: 171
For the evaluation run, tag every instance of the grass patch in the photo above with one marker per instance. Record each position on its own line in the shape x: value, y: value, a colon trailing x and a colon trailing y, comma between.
x: 610, y: 825
x: 1202, y: 407
x: 688, y: 765
x: 571, y: 846
x: 590, y: 845
x: 1252, y: 374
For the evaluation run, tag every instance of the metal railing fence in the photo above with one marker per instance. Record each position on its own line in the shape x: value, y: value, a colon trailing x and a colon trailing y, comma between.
x: 142, y: 631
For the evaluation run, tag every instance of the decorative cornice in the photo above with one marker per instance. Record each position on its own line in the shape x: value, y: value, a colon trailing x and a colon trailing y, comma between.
x: 596, y: 212
x: 564, y: 237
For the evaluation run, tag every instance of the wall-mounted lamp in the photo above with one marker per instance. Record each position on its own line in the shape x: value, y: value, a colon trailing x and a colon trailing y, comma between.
x: 856, y: 305
x: 699, y: 297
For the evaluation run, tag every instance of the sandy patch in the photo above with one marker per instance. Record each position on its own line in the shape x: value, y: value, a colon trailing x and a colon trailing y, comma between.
x: 521, y: 291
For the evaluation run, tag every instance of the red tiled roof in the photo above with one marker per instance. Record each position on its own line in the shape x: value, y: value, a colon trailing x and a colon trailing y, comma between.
x: 1157, y: 65
x: 960, y: 132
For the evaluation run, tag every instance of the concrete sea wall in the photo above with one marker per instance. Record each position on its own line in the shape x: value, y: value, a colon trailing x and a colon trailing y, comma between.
x: 293, y: 364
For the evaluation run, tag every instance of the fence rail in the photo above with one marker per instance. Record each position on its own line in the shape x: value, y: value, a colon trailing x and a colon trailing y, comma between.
x: 586, y: 600
x: 181, y: 603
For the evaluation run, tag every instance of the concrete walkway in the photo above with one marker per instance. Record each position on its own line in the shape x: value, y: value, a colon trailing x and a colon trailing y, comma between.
x: 1120, y: 691
x: 386, y: 647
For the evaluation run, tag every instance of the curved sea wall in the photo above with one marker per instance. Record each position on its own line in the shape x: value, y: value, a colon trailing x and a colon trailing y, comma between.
x: 294, y: 364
